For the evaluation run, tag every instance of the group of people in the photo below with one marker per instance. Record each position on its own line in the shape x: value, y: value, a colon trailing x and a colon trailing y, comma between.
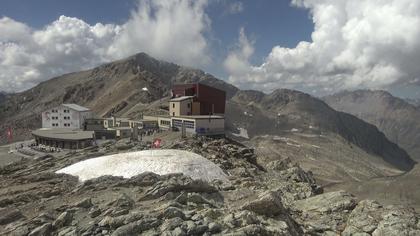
x: 48, y: 149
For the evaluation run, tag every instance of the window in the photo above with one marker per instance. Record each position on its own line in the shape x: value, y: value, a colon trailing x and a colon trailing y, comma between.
x: 173, y: 113
x: 189, y: 105
x: 177, y: 123
x: 173, y: 105
x: 165, y: 122
x: 189, y: 124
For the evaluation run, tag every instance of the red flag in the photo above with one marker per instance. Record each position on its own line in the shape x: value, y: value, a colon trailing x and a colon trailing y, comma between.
x: 156, y: 143
x: 9, y: 135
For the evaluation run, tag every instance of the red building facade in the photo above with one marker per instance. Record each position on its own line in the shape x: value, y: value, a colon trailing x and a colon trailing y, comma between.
x: 212, y: 100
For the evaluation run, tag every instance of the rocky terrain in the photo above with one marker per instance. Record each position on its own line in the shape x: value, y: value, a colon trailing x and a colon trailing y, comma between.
x: 396, y: 118
x: 415, y: 102
x: 2, y: 96
x: 277, y: 198
x: 117, y: 88
x: 336, y: 147
x: 113, y: 88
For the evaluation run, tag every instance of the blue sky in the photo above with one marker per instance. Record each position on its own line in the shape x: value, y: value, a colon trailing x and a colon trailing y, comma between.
x: 319, y: 47
x: 268, y: 22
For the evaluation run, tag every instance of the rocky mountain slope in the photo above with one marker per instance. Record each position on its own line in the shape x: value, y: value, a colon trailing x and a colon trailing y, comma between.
x: 113, y: 88
x: 297, y: 125
x: 361, y: 151
x: 415, y: 102
x: 2, y: 96
x: 281, y: 199
x: 397, y: 119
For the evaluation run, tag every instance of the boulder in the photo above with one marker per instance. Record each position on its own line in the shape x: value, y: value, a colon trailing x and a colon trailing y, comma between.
x: 326, y: 213
x: 137, y: 227
x: 62, y: 220
x: 398, y: 221
x: 268, y: 203
x: 69, y: 231
x: 339, y: 201
x: 122, y: 201
x: 43, y: 230
x: 8, y: 215
x: 215, y: 227
x: 172, y: 212
x: 364, y: 219
x: 84, y: 203
x: 178, y: 183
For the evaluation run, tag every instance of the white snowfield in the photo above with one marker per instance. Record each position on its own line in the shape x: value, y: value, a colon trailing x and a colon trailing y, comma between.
x: 159, y: 161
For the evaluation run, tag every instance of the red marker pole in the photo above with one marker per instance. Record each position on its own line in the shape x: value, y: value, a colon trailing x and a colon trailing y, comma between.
x: 9, y: 135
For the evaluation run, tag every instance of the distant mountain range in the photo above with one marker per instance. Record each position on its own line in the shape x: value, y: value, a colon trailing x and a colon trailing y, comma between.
x: 360, y: 149
x: 415, y: 102
x: 398, y: 119
x: 2, y: 96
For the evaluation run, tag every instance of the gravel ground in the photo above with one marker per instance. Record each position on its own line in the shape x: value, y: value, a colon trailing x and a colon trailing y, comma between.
x: 6, y: 157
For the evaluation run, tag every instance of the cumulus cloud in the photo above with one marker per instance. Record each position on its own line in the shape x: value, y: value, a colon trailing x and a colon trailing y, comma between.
x: 235, y: 8
x: 237, y: 61
x: 168, y: 29
x: 355, y: 44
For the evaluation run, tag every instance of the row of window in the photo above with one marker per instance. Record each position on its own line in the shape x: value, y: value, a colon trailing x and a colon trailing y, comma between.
x: 165, y: 122
x: 56, y: 124
x: 56, y: 111
x: 187, y: 124
x: 56, y: 117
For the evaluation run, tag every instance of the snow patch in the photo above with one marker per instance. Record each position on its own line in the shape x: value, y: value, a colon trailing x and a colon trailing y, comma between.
x: 160, y: 161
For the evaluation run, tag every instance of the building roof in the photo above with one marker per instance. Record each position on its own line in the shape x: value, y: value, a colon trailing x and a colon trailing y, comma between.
x: 63, y: 134
x: 76, y: 107
x: 119, y: 128
x: 182, y: 98
x: 199, y: 117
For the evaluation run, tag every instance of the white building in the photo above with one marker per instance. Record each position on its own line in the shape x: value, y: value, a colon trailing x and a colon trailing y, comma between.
x: 197, y: 125
x: 70, y: 116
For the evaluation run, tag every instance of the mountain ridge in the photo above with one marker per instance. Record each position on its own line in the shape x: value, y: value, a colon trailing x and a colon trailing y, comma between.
x: 116, y: 88
x: 399, y: 120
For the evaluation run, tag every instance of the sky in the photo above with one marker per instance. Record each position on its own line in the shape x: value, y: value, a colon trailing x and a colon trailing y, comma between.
x: 316, y: 46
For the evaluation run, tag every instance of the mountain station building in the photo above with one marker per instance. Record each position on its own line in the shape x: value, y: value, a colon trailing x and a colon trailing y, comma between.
x: 197, y: 109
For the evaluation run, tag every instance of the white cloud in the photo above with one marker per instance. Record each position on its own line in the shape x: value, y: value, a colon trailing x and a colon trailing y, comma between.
x: 235, y: 8
x: 237, y: 61
x: 168, y: 29
x: 355, y: 44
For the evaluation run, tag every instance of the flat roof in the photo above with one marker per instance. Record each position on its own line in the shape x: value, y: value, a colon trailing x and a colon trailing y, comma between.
x: 63, y: 134
x: 182, y: 98
x: 196, y: 117
x: 119, y: 128
x: 76, y: 107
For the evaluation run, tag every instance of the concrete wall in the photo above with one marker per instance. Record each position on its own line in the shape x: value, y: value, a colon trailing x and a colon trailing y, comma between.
x: 200, y: 126
x: 180, y: 108
x: 64, y: 117
x: 210, y: 126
